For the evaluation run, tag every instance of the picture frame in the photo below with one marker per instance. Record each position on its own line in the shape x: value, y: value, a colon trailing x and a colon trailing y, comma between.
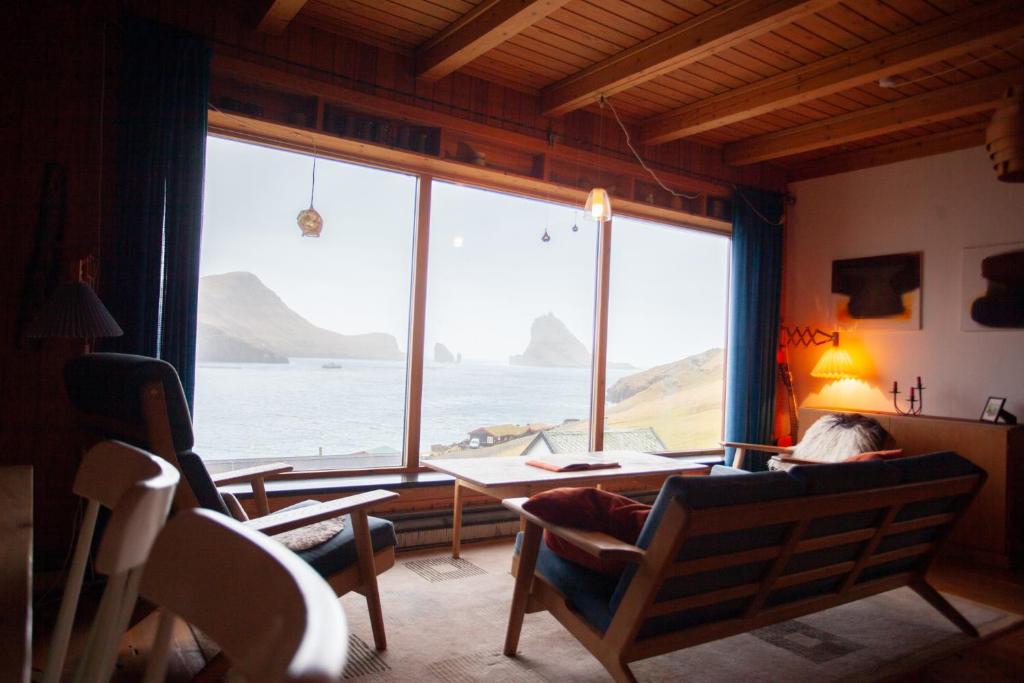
x: 993, y: 408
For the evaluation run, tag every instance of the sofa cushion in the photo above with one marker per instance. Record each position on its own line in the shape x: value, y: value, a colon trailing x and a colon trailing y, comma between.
x: 593, y: 510
x: 588, y: 592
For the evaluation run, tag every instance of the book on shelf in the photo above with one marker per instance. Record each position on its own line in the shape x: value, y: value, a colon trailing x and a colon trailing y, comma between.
x: 574, y: 464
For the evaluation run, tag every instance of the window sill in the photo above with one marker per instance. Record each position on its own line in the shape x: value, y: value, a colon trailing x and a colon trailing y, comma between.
x: 350, y: 484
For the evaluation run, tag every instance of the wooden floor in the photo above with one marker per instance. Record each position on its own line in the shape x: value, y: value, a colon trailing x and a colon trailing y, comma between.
x: 997, y: 661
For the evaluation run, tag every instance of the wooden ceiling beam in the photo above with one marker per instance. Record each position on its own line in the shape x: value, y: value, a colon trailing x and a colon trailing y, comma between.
x: 951, y: 36
x: 702, y: 36
x: 277, y: 14
x: 938, y: 105
x: 488, y: 25
x: 904, y: 150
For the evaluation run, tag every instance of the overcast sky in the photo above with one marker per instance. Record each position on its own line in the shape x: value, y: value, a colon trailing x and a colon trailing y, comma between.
x: 668, y: 286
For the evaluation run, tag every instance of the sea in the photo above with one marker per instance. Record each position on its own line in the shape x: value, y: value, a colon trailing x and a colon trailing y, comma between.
x: 256, y: 410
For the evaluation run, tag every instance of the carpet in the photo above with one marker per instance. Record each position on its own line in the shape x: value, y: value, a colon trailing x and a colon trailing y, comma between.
x: 446, y: 619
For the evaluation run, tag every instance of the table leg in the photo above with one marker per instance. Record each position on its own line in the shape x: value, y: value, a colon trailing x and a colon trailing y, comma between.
x: 457, y: 521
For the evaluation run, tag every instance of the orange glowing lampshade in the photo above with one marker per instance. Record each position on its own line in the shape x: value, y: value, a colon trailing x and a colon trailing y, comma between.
x: 835, y: 363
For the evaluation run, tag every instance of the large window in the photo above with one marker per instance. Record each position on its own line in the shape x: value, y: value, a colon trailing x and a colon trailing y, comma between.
x: 666, y: 320
x: 510, y: 320
x: 301, y: 341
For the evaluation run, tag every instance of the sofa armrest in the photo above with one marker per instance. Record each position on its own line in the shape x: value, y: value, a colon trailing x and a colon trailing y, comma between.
x: 294, y: 519
x: 596, y: 543
x: 764, y: 448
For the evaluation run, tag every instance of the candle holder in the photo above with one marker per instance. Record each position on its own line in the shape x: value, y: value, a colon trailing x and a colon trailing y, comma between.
x: 916, y: 398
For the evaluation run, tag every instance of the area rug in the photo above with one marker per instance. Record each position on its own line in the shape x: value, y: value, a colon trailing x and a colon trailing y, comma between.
x: 446, y: 619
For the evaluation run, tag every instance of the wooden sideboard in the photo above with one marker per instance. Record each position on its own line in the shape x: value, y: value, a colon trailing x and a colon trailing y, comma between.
x: 992, y: 531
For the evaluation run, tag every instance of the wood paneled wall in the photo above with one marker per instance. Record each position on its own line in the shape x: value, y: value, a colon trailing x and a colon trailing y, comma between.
x: 52, y: 56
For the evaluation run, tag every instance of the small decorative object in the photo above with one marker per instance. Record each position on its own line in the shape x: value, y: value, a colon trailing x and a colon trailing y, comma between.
x: 575, y: 227
x: 309, y: 220
x: 994, y: 411
x: 1004, y: 137
x: 546, y: 237
x: 878, y: 292
x: 992, y: 297
x: 916, y: 397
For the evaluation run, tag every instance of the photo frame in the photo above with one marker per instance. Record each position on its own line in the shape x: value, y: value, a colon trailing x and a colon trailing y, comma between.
x: 877, y: 292
x: 992, y: 298
x: 993, y: 408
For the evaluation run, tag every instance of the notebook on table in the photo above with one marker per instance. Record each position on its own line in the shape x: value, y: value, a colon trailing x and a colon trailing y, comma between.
x: 573, y: 464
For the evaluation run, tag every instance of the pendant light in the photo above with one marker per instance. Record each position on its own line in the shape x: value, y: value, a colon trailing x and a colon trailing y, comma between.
x: 309, y: 220
x: 599, y: 204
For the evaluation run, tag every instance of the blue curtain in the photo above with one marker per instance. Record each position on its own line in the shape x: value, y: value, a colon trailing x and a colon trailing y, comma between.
x: 150, y: 259
x: 753, y: 320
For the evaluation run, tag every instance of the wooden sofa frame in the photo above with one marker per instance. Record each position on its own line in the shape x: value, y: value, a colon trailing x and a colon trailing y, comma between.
x: 619, y: 644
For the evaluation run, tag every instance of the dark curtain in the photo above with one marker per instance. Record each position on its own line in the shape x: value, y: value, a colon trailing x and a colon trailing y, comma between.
x: 753, y: 320
x: 150, y: 269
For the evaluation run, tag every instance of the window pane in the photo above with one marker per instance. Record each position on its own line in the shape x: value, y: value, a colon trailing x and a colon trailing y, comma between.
x: 509, y: 324
x: 666, y: 319
x: 301, y: 350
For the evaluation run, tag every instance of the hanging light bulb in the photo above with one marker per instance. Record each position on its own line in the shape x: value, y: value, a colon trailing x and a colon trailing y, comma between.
x: 309, y: 220
x: 457, y: 241
x: 599, y: 205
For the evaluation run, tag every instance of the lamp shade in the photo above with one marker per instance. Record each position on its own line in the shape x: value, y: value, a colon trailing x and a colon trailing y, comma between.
x: 74, y: 312
x: 599, y: 205
x: 835, y: 363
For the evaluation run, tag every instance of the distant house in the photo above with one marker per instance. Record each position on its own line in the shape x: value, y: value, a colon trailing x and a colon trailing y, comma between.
x: 556, y: 441
x: 488, y: 436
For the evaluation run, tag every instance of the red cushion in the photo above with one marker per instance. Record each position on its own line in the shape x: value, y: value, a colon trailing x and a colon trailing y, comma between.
x: 876, y: 455
x: 592, y: 510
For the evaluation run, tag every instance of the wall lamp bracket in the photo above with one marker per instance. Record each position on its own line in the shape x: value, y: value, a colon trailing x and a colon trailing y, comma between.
x: 805, y: 336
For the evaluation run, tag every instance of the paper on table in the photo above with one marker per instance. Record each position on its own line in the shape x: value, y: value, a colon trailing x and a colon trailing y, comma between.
x: 572, y: 464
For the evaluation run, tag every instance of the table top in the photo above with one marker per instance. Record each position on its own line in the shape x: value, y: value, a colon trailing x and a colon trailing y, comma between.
x: 511, y: 470
x: 15, y: 571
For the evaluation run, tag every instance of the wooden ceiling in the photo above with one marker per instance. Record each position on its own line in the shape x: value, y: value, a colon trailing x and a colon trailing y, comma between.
x: 794, y: 82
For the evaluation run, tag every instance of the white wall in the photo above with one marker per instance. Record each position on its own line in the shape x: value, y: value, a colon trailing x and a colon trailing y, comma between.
x: 936, y: 205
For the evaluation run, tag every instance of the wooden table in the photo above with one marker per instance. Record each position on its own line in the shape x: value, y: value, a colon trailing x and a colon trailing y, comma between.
x: 511, y: 477
x: 15, y: 572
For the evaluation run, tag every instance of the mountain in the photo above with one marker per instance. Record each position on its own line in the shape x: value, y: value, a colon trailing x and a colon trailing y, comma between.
x: 442, y: 354
x: 242, y: 320
x: 681, y: 401
x: 671, y: 377
x: 552, y: 345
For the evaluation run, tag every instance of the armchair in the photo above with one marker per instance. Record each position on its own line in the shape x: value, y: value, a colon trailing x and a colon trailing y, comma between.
x: 186, y: 576
x: 140, y: 399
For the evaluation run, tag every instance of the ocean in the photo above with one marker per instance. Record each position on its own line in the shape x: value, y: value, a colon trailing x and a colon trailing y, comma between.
x: 254, y: 410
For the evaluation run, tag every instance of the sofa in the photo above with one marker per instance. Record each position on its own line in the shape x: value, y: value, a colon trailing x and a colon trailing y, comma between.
x: 731, y: 552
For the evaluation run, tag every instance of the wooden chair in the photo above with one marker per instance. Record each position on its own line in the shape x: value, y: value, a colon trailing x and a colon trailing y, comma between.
x: 141, y: 399
x: 723, y: 555
x: 137, y: 488
x: 278, y: 621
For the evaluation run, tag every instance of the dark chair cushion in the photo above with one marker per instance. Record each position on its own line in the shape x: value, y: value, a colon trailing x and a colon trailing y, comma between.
x: 593, y: 510
x: 339, y: 552
x: 588, y: 592
x: 108, y: 385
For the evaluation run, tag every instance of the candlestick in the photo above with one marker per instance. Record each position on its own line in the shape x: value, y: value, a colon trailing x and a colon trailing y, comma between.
x: 916, y: 398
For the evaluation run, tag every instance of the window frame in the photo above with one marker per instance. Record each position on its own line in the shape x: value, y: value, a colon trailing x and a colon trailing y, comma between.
x: 426, y: 170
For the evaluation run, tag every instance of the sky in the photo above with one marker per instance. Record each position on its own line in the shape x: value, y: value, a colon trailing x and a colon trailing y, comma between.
x: 489, y: 273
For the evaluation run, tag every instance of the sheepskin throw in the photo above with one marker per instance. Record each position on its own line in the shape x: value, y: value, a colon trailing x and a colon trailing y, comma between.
x: 307, y: 537
x: 834, y: 438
